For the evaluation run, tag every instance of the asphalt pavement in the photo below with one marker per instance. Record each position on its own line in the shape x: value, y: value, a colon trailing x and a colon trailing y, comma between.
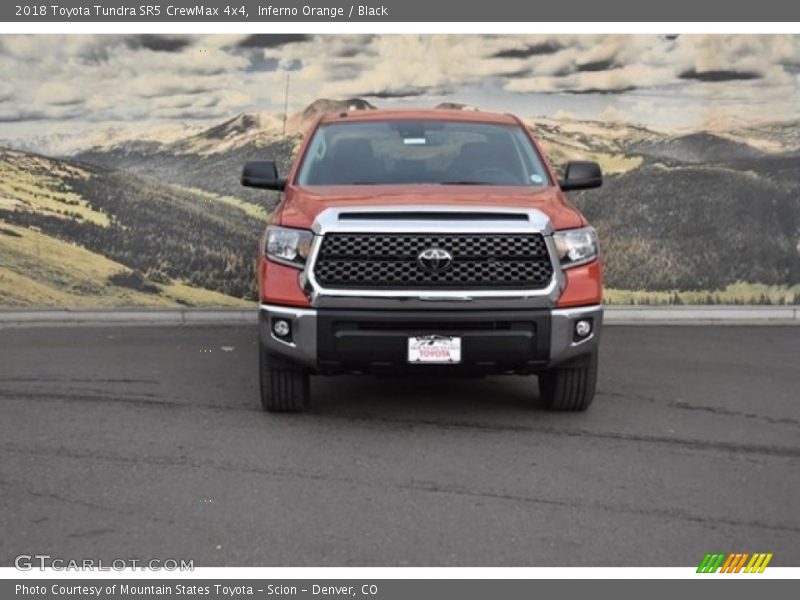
x: 149, y: 442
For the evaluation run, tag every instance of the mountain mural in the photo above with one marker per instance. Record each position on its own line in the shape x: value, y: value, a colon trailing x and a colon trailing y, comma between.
x: 149, y: 220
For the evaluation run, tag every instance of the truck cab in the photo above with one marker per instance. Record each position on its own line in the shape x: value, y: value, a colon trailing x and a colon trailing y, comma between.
x: 431, y: 241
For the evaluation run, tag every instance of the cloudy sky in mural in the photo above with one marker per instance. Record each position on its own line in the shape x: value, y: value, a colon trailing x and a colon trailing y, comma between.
x: 60, y: 82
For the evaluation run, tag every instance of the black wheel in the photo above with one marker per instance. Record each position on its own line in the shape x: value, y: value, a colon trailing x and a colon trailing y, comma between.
x: 570, y: 387
x: 284, y: 387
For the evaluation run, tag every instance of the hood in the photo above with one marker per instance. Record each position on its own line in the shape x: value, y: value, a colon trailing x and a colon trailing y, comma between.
x: 302, y: 204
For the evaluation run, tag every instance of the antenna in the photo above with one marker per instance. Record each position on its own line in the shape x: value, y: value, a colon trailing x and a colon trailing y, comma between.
x: 286, y: 103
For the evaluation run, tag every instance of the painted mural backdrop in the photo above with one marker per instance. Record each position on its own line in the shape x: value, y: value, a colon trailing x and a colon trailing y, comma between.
x: 120, y: 155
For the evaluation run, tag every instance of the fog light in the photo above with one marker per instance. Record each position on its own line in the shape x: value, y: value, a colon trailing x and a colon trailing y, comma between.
x: 583, y: 328
x: 281, y: 328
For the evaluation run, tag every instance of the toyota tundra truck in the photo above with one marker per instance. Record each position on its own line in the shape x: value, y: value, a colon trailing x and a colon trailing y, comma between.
x: 429, y: 242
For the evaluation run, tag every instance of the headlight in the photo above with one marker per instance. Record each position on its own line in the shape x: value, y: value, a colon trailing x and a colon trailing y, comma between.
x: 576, y: 246
x: 288, y: 246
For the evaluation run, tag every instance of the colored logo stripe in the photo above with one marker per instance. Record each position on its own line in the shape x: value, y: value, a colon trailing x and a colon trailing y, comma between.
x: 734, y: 562
x: 741, y: 562
x: 732, y: 559
x: 758, y: 563
x: 710, y: 563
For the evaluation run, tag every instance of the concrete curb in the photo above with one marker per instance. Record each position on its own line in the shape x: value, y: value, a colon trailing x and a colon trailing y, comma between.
x: 168, y: 317
x: 702, y: 315
x: 615, y: 315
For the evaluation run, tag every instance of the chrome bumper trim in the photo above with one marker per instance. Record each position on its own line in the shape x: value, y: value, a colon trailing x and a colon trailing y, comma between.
x: 303, y: 348
x: 562, y: 346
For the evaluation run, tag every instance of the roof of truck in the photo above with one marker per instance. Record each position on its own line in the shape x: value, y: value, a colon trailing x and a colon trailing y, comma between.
x: 430, y: 114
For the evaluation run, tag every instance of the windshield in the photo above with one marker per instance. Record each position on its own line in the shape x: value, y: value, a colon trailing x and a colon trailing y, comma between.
x: 421, y: 152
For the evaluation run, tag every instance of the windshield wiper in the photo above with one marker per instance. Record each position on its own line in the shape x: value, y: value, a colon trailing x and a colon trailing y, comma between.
x: 466, y: 182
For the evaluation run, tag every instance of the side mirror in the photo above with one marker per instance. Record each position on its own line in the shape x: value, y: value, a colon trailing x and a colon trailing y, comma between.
x: 262, y: 174
x: 581, y: 175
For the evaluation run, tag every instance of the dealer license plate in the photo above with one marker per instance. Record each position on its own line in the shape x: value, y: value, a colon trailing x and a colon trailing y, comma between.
x: 434, y: 349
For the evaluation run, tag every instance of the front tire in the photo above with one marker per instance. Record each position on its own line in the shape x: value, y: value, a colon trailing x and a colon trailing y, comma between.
x: 284, y: 387
x: 570, y: 387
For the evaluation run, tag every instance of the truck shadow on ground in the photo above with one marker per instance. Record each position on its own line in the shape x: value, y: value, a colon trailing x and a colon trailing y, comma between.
x: 425, y: 394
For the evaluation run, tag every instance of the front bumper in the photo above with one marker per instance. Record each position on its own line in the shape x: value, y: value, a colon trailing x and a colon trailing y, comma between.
x: 494, y: 341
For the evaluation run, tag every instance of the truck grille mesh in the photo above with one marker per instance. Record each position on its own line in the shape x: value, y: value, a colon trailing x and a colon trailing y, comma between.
x: 391, y: 261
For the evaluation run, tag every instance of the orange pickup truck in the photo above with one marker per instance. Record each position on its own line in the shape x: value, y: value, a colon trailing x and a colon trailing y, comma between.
x: 427, y: 241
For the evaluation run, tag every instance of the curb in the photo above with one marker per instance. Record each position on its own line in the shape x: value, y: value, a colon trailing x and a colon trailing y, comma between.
x: 614, y: 315
x: 702, y: 315
x: 142, y: 317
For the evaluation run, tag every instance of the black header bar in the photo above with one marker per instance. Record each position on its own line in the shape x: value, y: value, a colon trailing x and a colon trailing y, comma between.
x: 464, y: 11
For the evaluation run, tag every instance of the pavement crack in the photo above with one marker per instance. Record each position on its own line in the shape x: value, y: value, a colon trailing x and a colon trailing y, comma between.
x: 693, y: 444
x: 155, y: 400
x: 92, y: 396
x: 57, y: 378
x: 718, y: 410
x: 420, y: 486
x: 64, y: 500
x: 55, y: 497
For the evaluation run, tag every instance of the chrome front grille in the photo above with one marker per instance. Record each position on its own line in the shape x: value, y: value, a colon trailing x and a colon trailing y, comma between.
x: 393, y: 261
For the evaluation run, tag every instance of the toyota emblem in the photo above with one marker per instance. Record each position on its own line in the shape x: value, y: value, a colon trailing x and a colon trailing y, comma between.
x: 434, y: 260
